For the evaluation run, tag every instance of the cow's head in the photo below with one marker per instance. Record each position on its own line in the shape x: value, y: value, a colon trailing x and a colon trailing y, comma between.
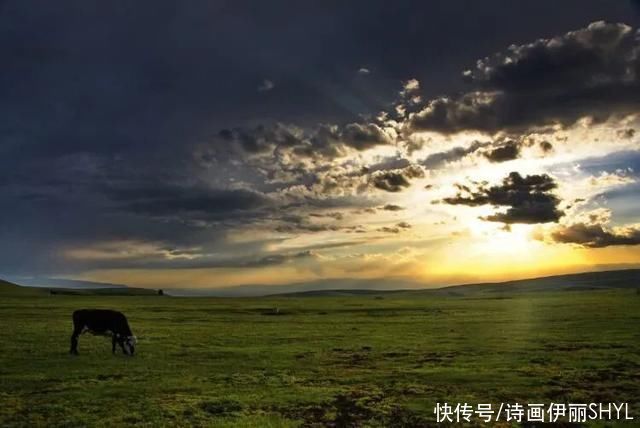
x: 129, y: 345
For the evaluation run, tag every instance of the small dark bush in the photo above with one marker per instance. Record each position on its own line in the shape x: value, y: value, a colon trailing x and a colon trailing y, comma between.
x: 221, y: 407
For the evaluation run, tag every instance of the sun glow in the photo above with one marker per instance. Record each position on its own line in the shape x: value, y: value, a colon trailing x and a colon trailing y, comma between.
x: 488, y: 251
x: 493, y: 238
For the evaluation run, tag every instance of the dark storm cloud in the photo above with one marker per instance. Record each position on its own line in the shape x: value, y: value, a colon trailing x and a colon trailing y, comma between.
x: 596, y: 235
x: 510, y: 150
x: 334, y: 215
x: 242, y: 262
x: 325, y: 140
x: 592, y: 72
x: 184, y: 201
x: 293, y: 223
x: 262, y: 138
x: 197, y: 260
x: 390, y: 181
x: 498, y: 151
x: 350, y: 183
x: 529, y: 199
x: 119, y: 77
x: 111, y: 111
x: 396, y: 180
x: 388, y: 163
x: 392, y: 207
x: 626, y: 133
x: 399, y: 227
x: 437, y: 160
x: 364, y: 136
x: 546, y: 146
x: 276, y: 259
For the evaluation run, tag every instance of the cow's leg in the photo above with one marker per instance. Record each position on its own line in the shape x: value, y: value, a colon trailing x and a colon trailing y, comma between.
x: 74, y: 341
x: 113, y: 344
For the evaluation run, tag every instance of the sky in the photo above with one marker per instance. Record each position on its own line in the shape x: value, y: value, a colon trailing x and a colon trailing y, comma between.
x: 209, y: 144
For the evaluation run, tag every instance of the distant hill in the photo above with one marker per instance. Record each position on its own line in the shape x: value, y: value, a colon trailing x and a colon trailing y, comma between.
x: 10, y: 289
x: 629, y: 278
x: 46, y: 282
x: 119, y: 291
x: 73, y: 288
x: 323, y: 286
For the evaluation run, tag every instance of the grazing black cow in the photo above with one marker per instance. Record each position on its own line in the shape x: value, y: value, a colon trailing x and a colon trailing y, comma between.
x: 103, y: 322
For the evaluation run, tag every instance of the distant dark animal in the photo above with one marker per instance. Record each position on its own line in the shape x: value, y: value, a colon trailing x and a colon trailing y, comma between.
x: 103, y: 322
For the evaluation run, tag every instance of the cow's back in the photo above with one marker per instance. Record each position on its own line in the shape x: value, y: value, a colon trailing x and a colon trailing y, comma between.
x: 101, y: 321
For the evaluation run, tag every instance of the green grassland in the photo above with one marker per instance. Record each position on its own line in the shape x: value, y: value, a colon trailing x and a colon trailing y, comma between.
x: 371, y: 360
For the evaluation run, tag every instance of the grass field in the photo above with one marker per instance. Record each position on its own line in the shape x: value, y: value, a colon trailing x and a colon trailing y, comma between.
x: 321, y: 361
